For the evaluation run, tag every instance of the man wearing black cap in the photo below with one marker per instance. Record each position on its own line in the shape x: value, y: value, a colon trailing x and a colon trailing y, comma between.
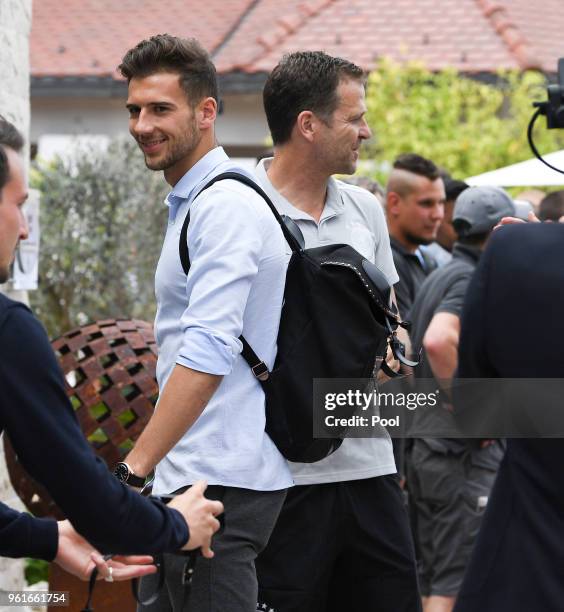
x: 449, y: 481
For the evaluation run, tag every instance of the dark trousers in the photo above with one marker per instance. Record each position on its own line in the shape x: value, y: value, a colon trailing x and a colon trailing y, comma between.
x: 226, y: 583
x: 341, y: 547
x: 448, y: 496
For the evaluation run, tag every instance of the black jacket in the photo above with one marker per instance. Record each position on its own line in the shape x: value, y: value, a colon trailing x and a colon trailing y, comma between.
x: 38, y: 417
x: 513, y: 327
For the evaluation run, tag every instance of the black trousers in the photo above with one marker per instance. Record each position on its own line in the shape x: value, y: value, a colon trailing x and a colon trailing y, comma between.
x: 341, y: 547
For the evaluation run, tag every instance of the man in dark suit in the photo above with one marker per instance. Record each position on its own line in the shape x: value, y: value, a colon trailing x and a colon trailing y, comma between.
x: 513, y: 327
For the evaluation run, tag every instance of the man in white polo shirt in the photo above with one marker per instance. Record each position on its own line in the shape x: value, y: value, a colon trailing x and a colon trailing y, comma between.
x: 342, y: 541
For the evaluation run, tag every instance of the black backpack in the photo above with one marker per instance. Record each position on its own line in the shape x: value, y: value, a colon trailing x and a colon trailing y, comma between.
x: 336, y: 323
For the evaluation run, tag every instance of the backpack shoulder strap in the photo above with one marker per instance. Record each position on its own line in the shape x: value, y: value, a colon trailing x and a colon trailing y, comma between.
x: 183, y: 245
x: 257, y: 365
x: 241, y: 178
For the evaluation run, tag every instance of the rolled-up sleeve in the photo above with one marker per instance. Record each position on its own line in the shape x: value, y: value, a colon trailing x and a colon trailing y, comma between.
x: 224, y: 243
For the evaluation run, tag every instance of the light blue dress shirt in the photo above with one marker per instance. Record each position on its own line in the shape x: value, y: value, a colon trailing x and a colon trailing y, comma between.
x: 235, y: 285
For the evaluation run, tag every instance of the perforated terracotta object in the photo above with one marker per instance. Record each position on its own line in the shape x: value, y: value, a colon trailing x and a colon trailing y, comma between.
x: 109, y: 368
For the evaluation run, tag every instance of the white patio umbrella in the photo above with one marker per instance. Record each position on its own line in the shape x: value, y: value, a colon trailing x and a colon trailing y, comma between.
x: 524, y: 174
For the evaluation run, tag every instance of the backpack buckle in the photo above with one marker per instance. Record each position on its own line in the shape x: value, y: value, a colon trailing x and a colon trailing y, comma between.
x: 260, y: 371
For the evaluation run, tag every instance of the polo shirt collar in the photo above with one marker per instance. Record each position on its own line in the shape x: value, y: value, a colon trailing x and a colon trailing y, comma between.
x: 398, y: 246
x: 417, y: 256
x: 334, y: 204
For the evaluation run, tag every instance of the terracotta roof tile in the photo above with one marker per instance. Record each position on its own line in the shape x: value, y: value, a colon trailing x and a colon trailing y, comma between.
x: 542, y: 28
x: 263, y: 25
x: 88, y: 37
x: 401, y: 29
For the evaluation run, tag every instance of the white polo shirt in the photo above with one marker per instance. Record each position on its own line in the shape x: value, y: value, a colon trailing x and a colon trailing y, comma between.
x: 351, y: 216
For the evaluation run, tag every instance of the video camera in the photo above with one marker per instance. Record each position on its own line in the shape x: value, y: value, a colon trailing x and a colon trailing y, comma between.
x: 552, y: 109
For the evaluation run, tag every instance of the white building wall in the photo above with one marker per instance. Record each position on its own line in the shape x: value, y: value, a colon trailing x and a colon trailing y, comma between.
x: 77, y: 116
x: 242, y: 124
x: 15, y: 23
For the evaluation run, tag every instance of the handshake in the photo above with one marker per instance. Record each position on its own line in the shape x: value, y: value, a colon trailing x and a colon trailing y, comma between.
x: 199, y: 513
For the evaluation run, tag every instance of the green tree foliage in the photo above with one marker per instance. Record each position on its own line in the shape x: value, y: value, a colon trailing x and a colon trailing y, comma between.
x: 464, y: 125
x: 36, y: 570
x: 102, y: 225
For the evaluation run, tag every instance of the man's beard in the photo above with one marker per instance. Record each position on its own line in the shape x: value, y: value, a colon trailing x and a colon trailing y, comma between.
x: 335, y: 164
x: 6, y: 272
x: 418, y: 239
x: 181, y: 149
x: 4, y: 275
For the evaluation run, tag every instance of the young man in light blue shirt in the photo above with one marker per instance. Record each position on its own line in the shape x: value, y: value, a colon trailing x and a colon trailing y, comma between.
x: 209, y: 420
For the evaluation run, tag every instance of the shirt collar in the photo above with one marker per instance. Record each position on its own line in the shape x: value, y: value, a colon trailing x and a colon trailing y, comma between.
x: 333, y: 202
x: 185, y: 187
x: 398, y: 246
x: 417, y: 255
x: 467, y: 252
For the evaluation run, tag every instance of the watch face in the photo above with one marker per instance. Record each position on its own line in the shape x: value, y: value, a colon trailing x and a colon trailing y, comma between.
x: 121, y: 472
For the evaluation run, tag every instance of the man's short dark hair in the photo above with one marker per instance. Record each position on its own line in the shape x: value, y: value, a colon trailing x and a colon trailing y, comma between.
x: 183, y: 56
x: 411, y: 162
x: 306, y: 80
x: 552, y: 206
x: 10, y: 138
x: 454, y: 188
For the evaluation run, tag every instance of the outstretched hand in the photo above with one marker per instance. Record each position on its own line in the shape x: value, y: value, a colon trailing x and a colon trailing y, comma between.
x: 123, y: 568
x: 76, y: 556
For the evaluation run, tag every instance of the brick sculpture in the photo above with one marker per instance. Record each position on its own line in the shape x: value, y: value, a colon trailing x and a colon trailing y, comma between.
x: 109, y: 367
